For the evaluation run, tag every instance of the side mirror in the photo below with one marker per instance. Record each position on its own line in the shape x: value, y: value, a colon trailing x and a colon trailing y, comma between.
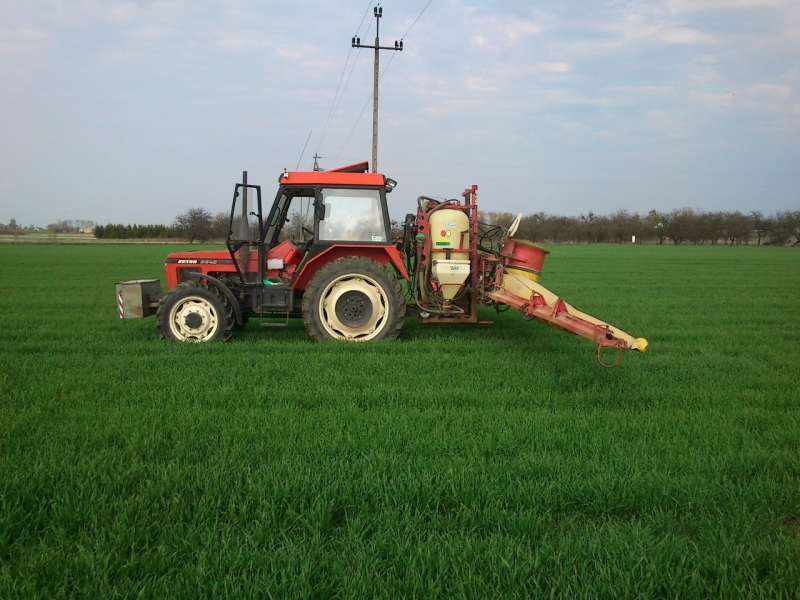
x: 320, y: 211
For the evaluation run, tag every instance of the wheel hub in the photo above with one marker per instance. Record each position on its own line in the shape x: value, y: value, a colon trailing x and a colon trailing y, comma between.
x: 193, y: 320
x: 353, y: 308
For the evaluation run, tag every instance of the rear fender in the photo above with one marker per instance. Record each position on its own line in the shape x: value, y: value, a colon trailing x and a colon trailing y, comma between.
x: 382, y: 254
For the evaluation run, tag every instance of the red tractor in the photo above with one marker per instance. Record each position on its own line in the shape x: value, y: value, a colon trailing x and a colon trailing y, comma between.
x: 325, y: 253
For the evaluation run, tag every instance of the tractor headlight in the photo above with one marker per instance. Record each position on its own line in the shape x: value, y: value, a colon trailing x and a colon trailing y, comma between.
x: 390, y: 184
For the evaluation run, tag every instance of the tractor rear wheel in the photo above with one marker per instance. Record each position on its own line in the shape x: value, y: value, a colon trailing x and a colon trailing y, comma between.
x: 354, y: 299
x: 194, y: 311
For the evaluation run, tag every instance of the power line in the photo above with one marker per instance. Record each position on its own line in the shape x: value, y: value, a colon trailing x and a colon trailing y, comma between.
x: 398, y: 47
x: 332, y: 110
x: 369, y: 4
x: 351, y: 72
x: 361, y: 114
x: 417, y: 19
x: 304, y: 150
x: 333, y: 102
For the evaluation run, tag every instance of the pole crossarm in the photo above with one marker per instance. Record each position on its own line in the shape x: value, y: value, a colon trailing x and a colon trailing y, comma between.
x: 398, y: 46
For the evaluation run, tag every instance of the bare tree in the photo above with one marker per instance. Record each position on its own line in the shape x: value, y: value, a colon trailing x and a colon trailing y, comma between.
x: 759, y: 224
x: 738, y: 227
x: 681, y: 224
x: 533, y: 227
x: 195, y: 223
x: 623, y: 225
x: 219, y: 225
x: 785, y: 227
x: 502, y: 219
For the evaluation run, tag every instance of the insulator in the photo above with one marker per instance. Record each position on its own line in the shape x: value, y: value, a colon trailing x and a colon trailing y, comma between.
x: 354, y: 41
x: 401, y: 44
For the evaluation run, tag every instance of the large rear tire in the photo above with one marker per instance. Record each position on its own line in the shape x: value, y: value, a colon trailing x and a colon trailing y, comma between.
x: 194, y: 311
x: 353, y: 299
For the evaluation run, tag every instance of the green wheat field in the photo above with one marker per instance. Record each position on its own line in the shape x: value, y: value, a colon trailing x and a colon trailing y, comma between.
x: 470, y: 462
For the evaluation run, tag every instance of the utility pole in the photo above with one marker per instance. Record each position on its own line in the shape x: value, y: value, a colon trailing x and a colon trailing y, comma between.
x: 356, y: 42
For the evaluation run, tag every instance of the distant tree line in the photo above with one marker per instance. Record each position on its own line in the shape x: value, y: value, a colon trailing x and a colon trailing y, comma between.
x: 119, y: 231
x: 12, y: 225
x: 681, y: 225
x: 71, y: 226
x: 64, y: 226
x: 194, y: 224
x: 677, y: 226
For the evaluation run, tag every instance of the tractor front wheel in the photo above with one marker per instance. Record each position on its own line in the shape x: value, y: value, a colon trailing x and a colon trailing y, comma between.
x: 194, y: 312
x: 353, y: 299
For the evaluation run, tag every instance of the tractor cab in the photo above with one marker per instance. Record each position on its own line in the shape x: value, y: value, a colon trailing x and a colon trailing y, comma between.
x: 313, y: 212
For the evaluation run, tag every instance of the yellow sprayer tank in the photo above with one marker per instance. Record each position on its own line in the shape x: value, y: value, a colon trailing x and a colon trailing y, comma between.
x: 449, y: 238
x: 450, y: 231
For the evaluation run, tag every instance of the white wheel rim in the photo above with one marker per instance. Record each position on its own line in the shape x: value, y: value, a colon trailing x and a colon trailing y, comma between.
x: 193, y: 319
x: 349, y: 288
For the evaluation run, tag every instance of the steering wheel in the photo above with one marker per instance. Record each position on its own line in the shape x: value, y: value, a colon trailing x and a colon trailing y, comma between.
x: 307, y: 242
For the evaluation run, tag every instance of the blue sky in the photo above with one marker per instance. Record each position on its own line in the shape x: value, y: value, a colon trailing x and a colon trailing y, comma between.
x: 136, y: 111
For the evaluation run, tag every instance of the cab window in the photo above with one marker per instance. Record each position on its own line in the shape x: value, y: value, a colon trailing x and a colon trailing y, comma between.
x: 352, y: 215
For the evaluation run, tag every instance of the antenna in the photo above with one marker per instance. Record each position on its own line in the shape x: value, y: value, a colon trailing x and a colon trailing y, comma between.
x: 304, y: 151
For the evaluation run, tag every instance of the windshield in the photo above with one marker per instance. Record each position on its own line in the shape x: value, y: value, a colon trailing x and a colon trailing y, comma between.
x: 352, y: 215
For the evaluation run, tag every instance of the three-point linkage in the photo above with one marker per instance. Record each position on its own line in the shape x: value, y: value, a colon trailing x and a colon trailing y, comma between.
x: 398, y: 45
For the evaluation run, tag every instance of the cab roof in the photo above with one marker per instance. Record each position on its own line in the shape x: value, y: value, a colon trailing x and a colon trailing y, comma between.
x: 355, y: 175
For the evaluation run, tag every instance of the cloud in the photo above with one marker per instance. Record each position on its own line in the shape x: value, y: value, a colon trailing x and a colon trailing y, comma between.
x: 480, y: 84
x: 715, y: 99
x: 638, y: 28
x: 502, y: 32
x: 551, y: 67
x: 121, y: 11
x: 248, y: 43
x: 573, y: 126
x: 683, y: 35
x: 681, y: 6
x: 23, y: 41
x: 642, y: 90
x: 771, y: 90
